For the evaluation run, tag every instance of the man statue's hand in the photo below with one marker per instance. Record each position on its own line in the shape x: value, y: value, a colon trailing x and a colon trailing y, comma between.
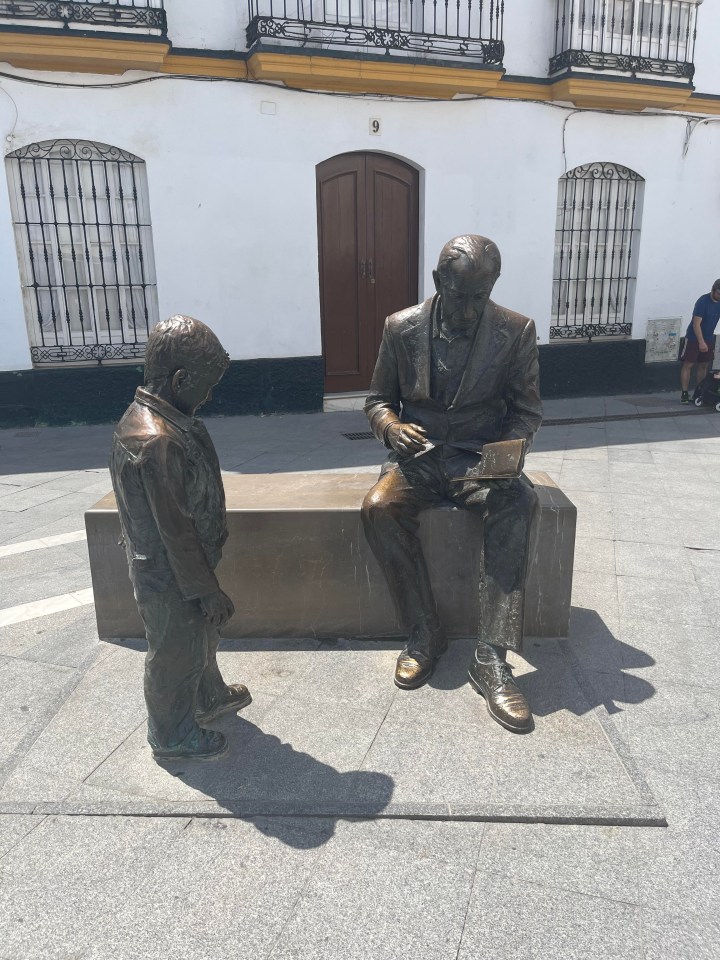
x: 406, y: 438
x: 501, y: 482
x: 217, y: 607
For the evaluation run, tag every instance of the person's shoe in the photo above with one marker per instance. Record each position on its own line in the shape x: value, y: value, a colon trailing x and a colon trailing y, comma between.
x: 416, y: 664
x: 685, y: 397
x: 200, y: 745
x: 234, y: 698
x: 412, y: 670
x: 493, y: 678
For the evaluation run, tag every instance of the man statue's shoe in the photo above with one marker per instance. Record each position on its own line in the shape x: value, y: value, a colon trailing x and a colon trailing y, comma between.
x: 415, y: 666
x: 199, y: 745
x: 412, y: 670
x: 234, y: 697
x: 493, y: 678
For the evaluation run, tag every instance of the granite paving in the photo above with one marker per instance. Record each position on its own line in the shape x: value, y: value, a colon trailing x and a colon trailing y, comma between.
x: 352, y: 819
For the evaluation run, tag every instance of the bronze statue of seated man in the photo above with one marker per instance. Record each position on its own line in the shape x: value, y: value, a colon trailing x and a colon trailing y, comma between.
x: 171, y: 502
x: 453, y: 374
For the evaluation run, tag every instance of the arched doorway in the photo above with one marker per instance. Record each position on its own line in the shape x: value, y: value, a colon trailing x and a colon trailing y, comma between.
x: 368, y: 233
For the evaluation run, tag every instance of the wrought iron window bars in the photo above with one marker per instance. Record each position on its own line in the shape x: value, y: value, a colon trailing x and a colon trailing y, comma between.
x: 456, y: 28
x: 655, y: 37
x: 84, y: 239
x: 596, y: 239
x: 125, y: 14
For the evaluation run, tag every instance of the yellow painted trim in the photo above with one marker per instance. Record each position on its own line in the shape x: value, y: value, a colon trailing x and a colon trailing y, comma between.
x: 67, y: 52
x: 370, y: 76
x: 703, y: 105
x: 608, y: 95
x: 214, y: 67
x: 430, y: 80
x: 524, y: 90
x: 392, y: 76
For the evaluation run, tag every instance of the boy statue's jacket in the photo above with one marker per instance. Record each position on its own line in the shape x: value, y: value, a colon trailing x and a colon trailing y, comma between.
x: 170, y: 498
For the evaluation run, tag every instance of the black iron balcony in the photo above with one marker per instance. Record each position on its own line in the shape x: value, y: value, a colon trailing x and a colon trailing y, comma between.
x: 144, y: 15
x: 439, y: 28
x: 655, y: 37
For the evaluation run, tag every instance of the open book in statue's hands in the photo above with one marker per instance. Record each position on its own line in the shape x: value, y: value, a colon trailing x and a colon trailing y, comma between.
x: 503, y: 460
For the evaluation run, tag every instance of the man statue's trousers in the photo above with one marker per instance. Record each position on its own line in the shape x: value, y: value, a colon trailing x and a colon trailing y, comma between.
x: 391, y: 519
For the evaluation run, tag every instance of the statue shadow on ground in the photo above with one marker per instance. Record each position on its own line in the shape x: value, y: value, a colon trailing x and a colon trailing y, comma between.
x: 284, y: 792
x: 577, y: 674
x: 594, y: 670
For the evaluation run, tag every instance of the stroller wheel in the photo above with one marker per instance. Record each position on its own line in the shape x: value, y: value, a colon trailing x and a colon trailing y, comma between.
x: 717, y: 407
x: 698, y: 401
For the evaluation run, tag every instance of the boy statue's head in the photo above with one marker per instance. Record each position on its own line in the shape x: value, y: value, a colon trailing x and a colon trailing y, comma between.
x: 184, y: 360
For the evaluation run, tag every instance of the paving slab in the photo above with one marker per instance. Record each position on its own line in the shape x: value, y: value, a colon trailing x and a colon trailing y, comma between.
x: 340, y: 914
x: 30, y: 693
x: 339, y: 739
x: 558, y: 857
x: 628, y: 707
x: 508, y: 920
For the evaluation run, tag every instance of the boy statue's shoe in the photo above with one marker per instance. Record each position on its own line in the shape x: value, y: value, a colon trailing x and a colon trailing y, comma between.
x: 493, y: 678
x: 200, y: 745
x: 234, y: 697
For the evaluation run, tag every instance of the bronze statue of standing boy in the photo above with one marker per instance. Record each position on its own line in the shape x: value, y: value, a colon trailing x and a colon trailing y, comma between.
x: 170, y: 498
x: 455, y: 373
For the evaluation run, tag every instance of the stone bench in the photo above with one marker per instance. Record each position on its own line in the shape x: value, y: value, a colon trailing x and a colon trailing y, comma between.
x: 296, y: 563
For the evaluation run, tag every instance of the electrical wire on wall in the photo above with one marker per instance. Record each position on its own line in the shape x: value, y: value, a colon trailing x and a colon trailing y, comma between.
x: 691, y: 125
x: 691, y: 122
x: 10, y: 135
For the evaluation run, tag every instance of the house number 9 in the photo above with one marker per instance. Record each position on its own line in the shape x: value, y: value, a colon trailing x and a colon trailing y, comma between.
x: 375, y: 127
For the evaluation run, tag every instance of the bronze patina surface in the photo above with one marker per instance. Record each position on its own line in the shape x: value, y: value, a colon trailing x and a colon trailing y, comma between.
x: 296, y: 563
x: 454, y: 373
x: 171, y: 503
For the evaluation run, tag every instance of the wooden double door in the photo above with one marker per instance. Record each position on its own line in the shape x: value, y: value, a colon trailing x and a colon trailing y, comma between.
x: 368, y: 244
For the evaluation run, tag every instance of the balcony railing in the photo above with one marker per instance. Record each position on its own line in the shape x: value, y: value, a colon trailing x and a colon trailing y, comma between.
x: 456, y: 28
x: 654, y: 37
x: 143, y: 15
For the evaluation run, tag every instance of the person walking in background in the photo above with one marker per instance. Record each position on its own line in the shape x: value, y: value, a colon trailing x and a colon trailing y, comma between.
x: 699, y: 347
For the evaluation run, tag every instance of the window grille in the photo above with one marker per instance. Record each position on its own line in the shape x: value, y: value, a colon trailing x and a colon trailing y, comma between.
x: 596, y: 241
x: 637, y: 36
x: 144, y: 15
x: 84, y: 240
x: 471, y: 29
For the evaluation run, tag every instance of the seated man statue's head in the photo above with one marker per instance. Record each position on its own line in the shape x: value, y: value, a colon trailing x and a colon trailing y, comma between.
x: 467, y: 270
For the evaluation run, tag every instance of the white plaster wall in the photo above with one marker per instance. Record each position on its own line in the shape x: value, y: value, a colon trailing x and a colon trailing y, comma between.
x: 14, y: 344
x: 529, y: 35
x: 707, y: 74
x: 210, y: 25
x: 232, y: 195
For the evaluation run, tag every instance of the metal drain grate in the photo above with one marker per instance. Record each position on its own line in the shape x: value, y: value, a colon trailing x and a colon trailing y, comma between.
x: 362, y: 435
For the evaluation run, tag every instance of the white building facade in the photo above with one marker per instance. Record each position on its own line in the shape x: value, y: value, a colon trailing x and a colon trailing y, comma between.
x: 289, y: 172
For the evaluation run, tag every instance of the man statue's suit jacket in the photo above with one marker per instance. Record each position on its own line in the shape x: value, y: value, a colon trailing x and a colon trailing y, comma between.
x: 498, y: 397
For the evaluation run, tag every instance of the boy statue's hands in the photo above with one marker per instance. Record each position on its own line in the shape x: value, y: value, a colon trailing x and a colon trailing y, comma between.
x: 217, y: 607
